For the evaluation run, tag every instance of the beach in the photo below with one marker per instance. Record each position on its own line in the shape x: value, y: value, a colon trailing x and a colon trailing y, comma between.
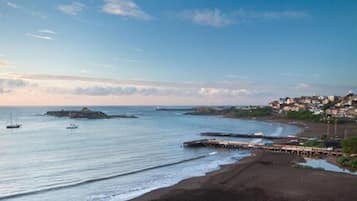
x: 313, y: 129
x: 263, y: 176
x: 268, y: 176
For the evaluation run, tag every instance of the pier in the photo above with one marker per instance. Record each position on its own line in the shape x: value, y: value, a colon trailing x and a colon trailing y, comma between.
x: 253, y: 135
x: 292, y: 149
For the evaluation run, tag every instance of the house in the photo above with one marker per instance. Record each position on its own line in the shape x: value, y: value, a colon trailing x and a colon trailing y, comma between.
x: 275, y: 105
x: 288, y: 100
x: 331, y: 98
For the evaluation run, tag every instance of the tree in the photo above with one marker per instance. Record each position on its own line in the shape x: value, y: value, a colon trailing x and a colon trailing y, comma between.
x: 349, y: 145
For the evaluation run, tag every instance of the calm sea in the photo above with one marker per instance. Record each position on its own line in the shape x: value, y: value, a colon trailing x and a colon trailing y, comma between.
x: 111, y: 159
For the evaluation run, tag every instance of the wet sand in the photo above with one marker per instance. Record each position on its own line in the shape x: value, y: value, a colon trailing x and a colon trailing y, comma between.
x: 263, y: 177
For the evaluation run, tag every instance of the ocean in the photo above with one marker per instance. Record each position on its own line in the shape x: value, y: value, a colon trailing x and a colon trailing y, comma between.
x: 110, y: 159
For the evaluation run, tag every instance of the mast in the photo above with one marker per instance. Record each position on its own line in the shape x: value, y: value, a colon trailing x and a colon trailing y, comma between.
x: 11, y: 118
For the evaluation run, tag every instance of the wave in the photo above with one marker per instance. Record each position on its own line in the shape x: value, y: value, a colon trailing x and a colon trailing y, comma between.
x: 84, y: 182
x: 188, y: 172
x: 212, y: 153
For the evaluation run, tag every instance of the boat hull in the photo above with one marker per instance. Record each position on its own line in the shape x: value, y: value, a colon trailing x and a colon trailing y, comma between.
x: 13, y: 126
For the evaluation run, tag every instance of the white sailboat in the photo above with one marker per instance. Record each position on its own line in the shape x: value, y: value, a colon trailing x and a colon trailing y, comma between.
x: 12, y: 125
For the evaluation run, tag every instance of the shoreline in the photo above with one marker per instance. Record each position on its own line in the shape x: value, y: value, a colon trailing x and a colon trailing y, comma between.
x: 313, y: 129
x: 211, y: 186
x: 261, y: 176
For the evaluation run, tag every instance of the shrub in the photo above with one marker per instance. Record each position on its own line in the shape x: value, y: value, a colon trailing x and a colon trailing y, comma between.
x: 347, y: 161
x: 349, y: 145
x: 313, y: 143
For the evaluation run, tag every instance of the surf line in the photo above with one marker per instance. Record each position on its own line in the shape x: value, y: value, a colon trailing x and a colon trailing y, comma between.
x: 99, y: 179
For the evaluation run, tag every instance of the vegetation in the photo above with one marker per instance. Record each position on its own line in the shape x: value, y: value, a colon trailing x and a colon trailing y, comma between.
x: 256, y: 112
x: 348, y: 161
x: 349, y: 145
x: 295, y: 165
x: 314, y: 143
x: 303, y: 115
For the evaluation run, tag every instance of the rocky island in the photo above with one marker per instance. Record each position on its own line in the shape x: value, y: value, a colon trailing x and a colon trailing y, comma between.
x: 85, y: 113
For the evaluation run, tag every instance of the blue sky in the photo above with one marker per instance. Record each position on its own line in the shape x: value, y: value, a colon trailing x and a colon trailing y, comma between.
x: 187, y: 52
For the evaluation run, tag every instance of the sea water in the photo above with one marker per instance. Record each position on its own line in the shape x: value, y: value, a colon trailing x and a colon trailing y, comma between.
x: 109, y: 159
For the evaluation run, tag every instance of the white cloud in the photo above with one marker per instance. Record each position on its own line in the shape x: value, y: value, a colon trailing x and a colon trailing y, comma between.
x: 71, y: 9
x: 217, y: 18
x: 77, y: 89
x: 44, y: 34
x: 46, y: 31
x: 207, y: 17
x: 223, y: 92
x: 12, y: 5
x: 43, y: 37
x: 109, y: 87
x: 125, y: 8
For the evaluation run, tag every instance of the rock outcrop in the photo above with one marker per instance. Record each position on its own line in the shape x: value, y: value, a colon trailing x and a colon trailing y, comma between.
x: 85, y: 113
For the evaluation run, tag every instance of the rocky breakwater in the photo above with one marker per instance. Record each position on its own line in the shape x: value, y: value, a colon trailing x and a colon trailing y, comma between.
x: 85, y: 113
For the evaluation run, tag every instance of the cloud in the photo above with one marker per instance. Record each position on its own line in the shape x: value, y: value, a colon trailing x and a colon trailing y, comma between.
x: 207, y: 17
x: 76, y: 85
x: 71, y: 9
x: 217, y: 18
x: 12, y: 5
x: 25, y: 10
x: 223, y: 92
x: 43, y: 77
x: 43, y: 37
x: 44, y: 34
x: 46, y: 31
x: 242, y: 15
x: 133, y: 90
x: 125, y: 8
x: 55, y: 90
x: 7, y: 85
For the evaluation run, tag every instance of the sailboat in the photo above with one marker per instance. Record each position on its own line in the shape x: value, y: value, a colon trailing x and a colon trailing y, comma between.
x: 12, y: 125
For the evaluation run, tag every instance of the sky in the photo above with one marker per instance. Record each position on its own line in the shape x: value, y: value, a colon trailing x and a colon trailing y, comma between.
x: 175, y: 52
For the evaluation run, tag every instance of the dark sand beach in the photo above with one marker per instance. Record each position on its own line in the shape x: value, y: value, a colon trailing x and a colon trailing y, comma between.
x: 264, y: 176
x: 267, y: 176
